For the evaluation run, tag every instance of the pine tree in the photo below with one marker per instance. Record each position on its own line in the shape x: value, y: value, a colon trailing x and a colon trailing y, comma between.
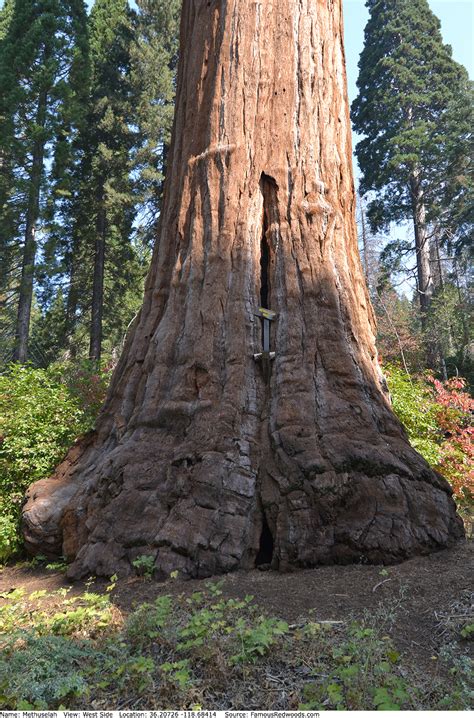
x: 110, y: 139
x: 408, y: 86
x: 154, y: 55
x: 36, y: 57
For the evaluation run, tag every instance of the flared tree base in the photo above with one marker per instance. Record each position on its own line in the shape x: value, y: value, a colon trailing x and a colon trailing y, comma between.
x: 206, y: 513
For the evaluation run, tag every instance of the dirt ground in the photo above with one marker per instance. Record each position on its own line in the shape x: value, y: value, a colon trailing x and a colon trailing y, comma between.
x: 424, y: 597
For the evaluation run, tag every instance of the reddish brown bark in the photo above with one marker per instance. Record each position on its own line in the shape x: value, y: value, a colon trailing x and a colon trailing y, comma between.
x: 197, y: 460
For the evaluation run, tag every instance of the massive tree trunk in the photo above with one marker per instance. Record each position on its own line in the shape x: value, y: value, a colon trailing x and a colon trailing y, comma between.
x: 205, y: 458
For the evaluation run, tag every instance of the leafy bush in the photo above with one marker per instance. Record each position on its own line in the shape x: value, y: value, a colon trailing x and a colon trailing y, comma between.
x: 413, y: 404
x: 41, y: 672
x: 437, y: 418
x: 40, y: 416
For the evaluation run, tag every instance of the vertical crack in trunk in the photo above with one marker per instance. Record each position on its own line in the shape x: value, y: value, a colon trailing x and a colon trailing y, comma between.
x: 270, y: 229
x: 267, y: 550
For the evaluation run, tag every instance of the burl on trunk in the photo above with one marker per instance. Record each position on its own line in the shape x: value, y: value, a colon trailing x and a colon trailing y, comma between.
x: 210, y: 458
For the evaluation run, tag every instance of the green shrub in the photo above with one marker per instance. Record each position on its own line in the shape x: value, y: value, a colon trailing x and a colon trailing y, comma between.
x: 438, y: 419
x: 42, y: 672
x: 39, y: 419
x: 414, y: 406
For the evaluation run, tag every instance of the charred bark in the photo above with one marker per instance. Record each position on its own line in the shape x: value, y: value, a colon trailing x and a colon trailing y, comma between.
x: 198, y: 460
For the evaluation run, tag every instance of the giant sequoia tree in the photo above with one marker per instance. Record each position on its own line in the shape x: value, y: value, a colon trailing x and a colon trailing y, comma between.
x: 206, y: 457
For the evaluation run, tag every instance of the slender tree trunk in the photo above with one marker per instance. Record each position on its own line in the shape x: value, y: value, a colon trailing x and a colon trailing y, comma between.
x: 422, y: 247
x: 424, y: 274
x: 95, y: 348
x: 436, y: 263
x: 72, y: 299
x: 209, y: 456
x: 444, y: 339
x: 29, y: 251
x: 365, y: 241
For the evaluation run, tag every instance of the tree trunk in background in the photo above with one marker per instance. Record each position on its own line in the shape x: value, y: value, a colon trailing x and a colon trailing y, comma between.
x: 424, y: 274
x: 22, y: 330
x: 422, y: 248
x: 197, y: 460
x: 365, y: 241
x: 95, y: 346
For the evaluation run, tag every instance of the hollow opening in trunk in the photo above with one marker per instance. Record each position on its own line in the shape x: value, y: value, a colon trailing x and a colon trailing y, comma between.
x: 264, y: 267
x: 265, y: 551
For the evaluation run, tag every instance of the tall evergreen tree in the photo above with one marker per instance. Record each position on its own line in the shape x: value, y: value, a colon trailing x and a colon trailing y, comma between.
x: 409, y: 86
x: 154, y: 55
x: 36, y: 57
x: 109, y: 142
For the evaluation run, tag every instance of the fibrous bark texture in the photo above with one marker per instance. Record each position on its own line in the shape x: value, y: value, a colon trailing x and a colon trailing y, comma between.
x: 205, y: 458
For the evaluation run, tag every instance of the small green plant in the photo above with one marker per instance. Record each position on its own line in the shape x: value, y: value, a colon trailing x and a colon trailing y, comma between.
x: 199, y: 628
x: 357, y: 673
x: 214, y: 588
x: 145, y: 566
x: 256, y: 640
x: 467, y: 632
x: 42, y: 672
x: 147, y: 622
x: 460, y: 696
x: 178, y: 672
x: 60, y: 565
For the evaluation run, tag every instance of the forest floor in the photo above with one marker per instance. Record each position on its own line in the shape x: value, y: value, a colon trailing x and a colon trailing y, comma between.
x: 424, y: 605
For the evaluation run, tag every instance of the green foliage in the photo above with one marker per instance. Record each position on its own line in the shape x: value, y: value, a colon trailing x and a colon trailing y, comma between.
x: 155, y: 45
x: 95, y: 615
x: 467, y: 632
x: 145, y: 565
x: 39, y: 419
x: 178, y: 672
x: 147, y: 622
x: 360, y: 673
x: 42, y: 54
x: 256, y: 640
x: 54, y: 654
x: 42, y: 672
x: 413, y: 404
x: 413, y: 108
x: 437, y: 417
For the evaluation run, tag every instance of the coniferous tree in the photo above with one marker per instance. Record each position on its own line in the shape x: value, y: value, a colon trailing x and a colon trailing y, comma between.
x: 218, y: 449
x: 409, y: 87
x: 108, y: 188
x: 154, y: 61
x: 37, y: 54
